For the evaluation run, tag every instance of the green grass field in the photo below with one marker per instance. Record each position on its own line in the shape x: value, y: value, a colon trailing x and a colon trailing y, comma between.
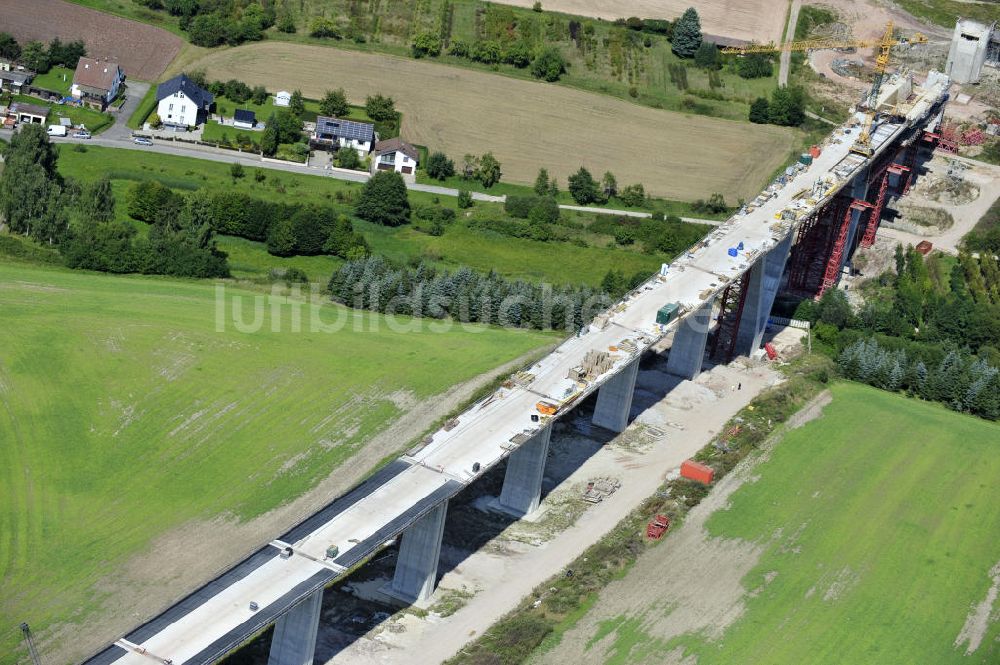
x: 126, y: 415
x: 944, y: 12
x: 878, y: 524
x: 519, y: 258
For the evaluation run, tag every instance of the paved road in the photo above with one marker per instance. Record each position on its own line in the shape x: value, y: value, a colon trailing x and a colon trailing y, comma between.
x: 786, y: 56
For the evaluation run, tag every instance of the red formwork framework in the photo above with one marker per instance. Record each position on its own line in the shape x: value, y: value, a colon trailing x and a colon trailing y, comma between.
x: 730, y: 312
x: 876, y: 214
x: 813, y: 245
x: 839, y: 245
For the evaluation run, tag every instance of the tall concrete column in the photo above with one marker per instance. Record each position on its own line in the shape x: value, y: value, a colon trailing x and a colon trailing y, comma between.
x: 294, y: 639
x: 614, y: 399
x: 688, y: 349
x: 765, y: 278
x: 417, y: 564
x: 522, y: 484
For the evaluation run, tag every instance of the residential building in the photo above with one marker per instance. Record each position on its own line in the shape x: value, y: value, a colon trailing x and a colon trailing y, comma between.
x: 334, y: 133
x: 14, y: 80
x: 97, y: 82
x: 244, y: 119
x: 180, y: 102
x: 283, y: 98
x: 395, y: 155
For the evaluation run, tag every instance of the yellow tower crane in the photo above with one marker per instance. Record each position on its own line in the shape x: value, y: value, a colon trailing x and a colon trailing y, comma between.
x: 884, y: 44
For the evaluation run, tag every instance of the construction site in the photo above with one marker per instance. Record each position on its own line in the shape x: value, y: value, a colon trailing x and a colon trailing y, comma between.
x: 389, y: 541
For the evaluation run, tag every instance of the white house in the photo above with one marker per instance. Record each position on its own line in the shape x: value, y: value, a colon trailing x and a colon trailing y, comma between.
x: 333, y: 134
x: 283, y: 98
x: 97, y: 82
x: 180, y: 102
x: 395, y: 155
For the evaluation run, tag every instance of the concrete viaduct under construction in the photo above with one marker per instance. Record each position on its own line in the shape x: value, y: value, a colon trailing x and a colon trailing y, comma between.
x: 799, y: 234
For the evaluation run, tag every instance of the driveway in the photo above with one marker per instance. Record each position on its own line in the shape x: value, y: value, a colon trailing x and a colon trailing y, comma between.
x: 134, y: 92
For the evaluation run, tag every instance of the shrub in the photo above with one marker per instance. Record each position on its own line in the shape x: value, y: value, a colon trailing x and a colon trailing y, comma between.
x: 426, y: 44
x: 439, y: 166
x: 549, y: 65
x: 384, y: 200
x: 464, y: 199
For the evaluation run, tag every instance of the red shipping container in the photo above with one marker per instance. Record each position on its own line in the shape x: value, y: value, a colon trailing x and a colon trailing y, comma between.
x: 697, y: 471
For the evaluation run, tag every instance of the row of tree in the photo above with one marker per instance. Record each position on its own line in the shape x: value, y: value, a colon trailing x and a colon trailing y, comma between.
x: 39, y: 58
x: 214, y: 22
x: 546, y: 63
x: 464, y: 295
x: 287, y: 229
x: 36, y: 201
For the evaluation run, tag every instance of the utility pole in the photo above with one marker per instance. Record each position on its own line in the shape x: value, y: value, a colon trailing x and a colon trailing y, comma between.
x: 35, y: 660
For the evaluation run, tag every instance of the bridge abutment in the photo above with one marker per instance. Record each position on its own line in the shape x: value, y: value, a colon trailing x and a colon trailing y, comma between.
x: 765, y: 279
x: 687, y: 353
x: 614, y: 399
x: 522, y: 484
x: 419, y: 553
x: 294, y: 639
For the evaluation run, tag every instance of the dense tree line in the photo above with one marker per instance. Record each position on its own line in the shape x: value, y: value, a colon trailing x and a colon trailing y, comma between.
x: 39, y: 58
x: 926, y: 329
x: 287, y: 229
x: 465, y: 295
x: 214, y: 22
x: 787, y: 107
x: 960, y: 381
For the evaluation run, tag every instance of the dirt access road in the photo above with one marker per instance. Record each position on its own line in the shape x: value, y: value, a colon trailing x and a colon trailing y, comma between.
x: 750, y: 20
x: 143, y: 51
x: 527, y: 124
x: 689, y: 412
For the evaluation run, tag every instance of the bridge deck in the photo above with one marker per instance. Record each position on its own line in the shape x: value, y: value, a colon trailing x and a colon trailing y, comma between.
x: 209, y: 623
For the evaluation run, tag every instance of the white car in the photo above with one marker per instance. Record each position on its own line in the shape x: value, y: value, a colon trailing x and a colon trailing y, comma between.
x: 81, y: 135
x: 142, y: 140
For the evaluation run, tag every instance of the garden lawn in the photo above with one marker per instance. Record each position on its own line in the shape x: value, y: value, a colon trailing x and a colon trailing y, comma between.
x: 95, y: 121
x: 127, y: 414
x: 877, y: 529
x: 59, y: 79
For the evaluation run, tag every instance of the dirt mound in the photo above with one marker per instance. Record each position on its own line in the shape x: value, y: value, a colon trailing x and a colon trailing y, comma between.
x: 143, y: 51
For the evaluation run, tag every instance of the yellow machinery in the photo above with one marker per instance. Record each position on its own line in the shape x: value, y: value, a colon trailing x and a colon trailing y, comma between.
x: 885, y: 44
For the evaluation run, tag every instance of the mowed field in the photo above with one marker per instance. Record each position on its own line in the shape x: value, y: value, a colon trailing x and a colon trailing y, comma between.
x: 869, y: 536
x: 751, y: 20
x: 142, y: 449
x: 526, y: 124
x: 143, y: 51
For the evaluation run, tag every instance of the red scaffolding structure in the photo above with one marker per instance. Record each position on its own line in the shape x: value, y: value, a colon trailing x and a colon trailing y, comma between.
x: 730, y: 312
x: 876, y: 214
x: 836, y: 254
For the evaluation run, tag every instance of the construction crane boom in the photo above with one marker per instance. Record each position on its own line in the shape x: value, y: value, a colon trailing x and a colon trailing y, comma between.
x: 884, y: 44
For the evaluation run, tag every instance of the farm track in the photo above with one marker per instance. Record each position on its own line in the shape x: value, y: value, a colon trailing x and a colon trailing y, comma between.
x: 143, y: 51
x: 527, y: 124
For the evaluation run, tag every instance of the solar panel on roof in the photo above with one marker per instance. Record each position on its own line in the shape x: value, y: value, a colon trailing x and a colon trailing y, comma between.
x: 348, y: 129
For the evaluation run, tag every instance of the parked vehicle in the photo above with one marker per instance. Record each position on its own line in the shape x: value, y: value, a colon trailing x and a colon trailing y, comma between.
x: 82, y: 134
x: 657, y: 527
x: 142, y: 140
x: 57, y: 130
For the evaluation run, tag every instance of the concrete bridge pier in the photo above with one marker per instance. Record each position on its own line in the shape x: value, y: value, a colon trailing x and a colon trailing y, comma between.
x: 294, y: 639
x: 614, y: 399
x: 765, y: 278
x: 522, y: 484
x: 688, y: 349
x: 419, y: 553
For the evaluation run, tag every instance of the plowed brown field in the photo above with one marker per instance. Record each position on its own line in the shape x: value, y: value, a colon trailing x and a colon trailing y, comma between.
x: 142, y: 50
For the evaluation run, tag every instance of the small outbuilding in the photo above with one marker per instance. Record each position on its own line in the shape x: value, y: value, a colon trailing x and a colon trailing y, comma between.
x: 30, y: 113
x: 14, y: 80
x: 283, y: 98
x: 244, y: 119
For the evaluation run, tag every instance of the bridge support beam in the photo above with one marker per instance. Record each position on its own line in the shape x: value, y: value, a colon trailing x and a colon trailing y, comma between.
x: 765, y: 278
x: 614, y: 399
x: 294, y: 639
x: 688, y: 349
x: 419, y: 553
x: 522, y: 484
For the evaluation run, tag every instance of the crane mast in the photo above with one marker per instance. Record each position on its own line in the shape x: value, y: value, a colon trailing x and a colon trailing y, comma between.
x: 884, y: 44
